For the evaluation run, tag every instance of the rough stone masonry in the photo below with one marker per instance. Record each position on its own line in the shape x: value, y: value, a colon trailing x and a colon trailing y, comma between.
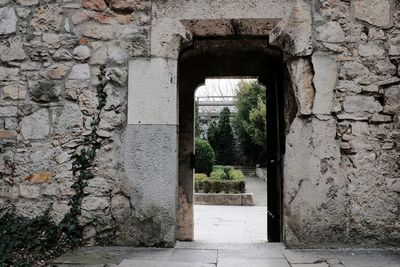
x: 342, y: 164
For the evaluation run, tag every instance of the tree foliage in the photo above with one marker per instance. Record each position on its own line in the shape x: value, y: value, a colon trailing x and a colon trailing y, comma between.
x: 197, y: 129
x: 250, y: 119
x: 220, y: 136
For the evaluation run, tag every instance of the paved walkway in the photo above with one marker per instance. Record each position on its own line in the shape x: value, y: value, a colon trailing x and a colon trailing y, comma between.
x: 189, y: 254
x: 259, y: 189
x: 234, y: 224
x: 230, y: 224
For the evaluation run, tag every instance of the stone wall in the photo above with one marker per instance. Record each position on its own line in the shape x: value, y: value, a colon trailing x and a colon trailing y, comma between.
x: 50, y: 58
x: 341, y: 174
x: 341, y: 180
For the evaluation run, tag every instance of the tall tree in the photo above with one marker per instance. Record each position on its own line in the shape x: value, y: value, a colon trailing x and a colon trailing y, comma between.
x: 250, y: 119
x: 225, y: 137
x: 197, y: 129
x: 212, y: 134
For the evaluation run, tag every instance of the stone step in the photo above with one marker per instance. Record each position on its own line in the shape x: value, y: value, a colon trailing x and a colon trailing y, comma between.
x: 147, y: 263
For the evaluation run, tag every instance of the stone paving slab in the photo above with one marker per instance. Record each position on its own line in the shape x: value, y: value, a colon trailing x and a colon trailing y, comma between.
x: 111, y: 255
x: 348, y: 258
x: 143, y: 263
x: 194, y: 255
x: 241, y: 254
x: 253, y: 263
x: 250, y: 254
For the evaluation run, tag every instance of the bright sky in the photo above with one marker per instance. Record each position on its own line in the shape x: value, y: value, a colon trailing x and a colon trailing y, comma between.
x: 219, y: 87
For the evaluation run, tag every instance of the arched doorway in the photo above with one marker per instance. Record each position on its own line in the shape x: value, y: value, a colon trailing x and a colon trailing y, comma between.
x: 231, y: 57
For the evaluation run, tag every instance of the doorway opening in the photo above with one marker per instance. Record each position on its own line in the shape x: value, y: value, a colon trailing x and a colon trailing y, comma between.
x: 244, y: 57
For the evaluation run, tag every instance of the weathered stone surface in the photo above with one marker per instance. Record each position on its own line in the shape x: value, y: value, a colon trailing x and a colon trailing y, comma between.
x: 295, y: 34
x: 88, y: 102
x: 393, y: 184
x: 36, y: 126
x: 312, y: 156
x: 45, y: 91
x: 97, y: 5
x: 351, y: 70
x: 302, y: 74
x: 371, y: 50
x: 7, y: 134
x: 59, y: 210
x: 4, y: 2
x: 360, y: 103
x: 27, y: 2
x: 392, y: 99
x: 95, y: 203
x: 8, y: 111
x: 48, y: 17
x: 56, y: 71
x: 330, y: 32
x: 120, y: 207
x: 116, y: 53
x: 14, y: 91
x: 70, y: 119
x: 98, y: 186
x: 8, y: 74
x: 11, y: 49
x: 80, y: 72
x: 81, y: 52
x: 95, y: 31
x: 62, y: 54
x: 379, y: 118
x: 52, y: 40
x: 349, y: 86
x: 99, y: 54
x: 147, y: 181
x: 42, y: 177
x: 122, y: 5
x: 117, y: 75
x: 8, y: 20
x: 29, y: 191
x: 375, y: 12
x: 325, y: 77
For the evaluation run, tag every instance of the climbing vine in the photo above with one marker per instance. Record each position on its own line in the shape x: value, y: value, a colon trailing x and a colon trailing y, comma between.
x: 83, y: 163
x: 24, y: 241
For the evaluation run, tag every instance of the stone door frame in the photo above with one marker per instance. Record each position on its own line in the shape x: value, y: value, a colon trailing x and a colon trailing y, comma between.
x: 151, y: 146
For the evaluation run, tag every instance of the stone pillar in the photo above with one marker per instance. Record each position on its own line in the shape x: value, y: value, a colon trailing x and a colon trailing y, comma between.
x: 151, y: 143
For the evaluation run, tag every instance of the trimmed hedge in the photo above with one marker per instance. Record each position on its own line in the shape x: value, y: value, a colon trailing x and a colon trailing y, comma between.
x: 220, y: 186
x: 223, y: 179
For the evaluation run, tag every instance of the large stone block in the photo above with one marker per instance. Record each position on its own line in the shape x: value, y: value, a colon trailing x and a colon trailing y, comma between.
x: 152, y: 97
x: 325, y: 77
x: 301, y: 72
x: 392, y: 99
x: 314, y: 185
x: 151, y: 167
x: 359, y: 103
x: 8, y: 20
x: 36, y: 126
x: 294, y: 35
x: 48, y: 17
x: 375, y: 12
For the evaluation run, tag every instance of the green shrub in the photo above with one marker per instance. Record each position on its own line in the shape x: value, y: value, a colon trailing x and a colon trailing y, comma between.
x: 220, y: 186
x: 205, y: 157
x: 200, y: 176
x: 236, y: 174
x: 219, y: 174
x: 223, y: 179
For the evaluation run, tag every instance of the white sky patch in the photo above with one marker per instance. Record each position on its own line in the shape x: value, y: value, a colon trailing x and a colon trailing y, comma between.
x: 219, y: 88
